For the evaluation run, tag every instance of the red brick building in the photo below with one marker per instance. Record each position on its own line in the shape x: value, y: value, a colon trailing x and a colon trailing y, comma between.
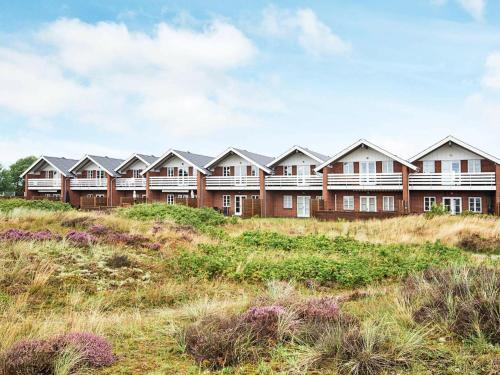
x: 130, y: 187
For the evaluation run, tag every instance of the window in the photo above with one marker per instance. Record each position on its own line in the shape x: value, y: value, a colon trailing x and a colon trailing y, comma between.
x: 429, y: 202
x: 99, y: 195
x: 388, y: 203
x: 348, y: 167
x: 51, y: 174
x: 170, y: 171
x: 428, y: 166
x: 287, y: 201
x: 255, y: 196
x: 474, y: 166
x: 170, y: 199
x: 182, y: 196
x: 348, y: 203
x: 475, y: 204
x: 368, y: 204
x: 136, y: 173
x: 226, y: 201
x: 254, y: 171
x: 182, y: 172
x: 226, y: 171
x: 95, y: 173
x: 388, y: 166
x: 287, y: 170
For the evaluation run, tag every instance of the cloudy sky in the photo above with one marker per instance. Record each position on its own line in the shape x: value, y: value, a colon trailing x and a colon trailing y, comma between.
x: 116, y: 77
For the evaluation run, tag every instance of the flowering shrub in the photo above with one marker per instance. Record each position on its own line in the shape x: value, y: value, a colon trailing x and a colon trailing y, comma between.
x: 24, y: 235
x: 263, y: 321
x: 154, y: 246
x: 29, y: 357
x: 126, y: 238
x: 156, y: 228
x: 95, y: 350
x: 98, y: 229
x: 319, y: 309
x: 82, y: 239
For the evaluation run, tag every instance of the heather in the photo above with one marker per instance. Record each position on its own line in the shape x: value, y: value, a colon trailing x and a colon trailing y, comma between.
x: 171, y: 298
x: 7, y: 205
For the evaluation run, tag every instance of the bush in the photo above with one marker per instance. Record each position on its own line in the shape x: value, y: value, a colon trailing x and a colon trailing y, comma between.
x: 118, y: 261
x: 81, y: 239
x: 7, y: 205
x: 477, y: 244
x: 24, y: 235
x: 464, y: 300
x: 180, y: 214
x: 436, y: 210
x: 29, y: 357
x: 95, y: 350
x: 262, y: 322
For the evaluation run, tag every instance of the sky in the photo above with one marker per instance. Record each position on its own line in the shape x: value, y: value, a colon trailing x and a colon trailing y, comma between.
x: 117, y: 77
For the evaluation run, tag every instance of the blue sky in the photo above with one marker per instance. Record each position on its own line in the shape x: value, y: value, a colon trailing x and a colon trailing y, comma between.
x: 118, y: 77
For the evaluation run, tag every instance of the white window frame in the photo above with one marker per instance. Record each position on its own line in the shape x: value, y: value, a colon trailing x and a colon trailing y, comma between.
x: 226, y: 172
x: 99, y: 195
x: 388, y: 203
x: 226, y: 201
x: 287, y: 201
x: 348, y: 203
x: 429, y: 166
x: 182, y: 172
x: 388, y: 166
x: 474, y: 166
x: 348, y: 167
x: 428, y: 203
x: 255, y: 197
x: 170, y: 172
x: 369, y: 199
x: 254, y: 171
x: 287, y: 170
x: 170, y: 199
x: 477, y: 204
x: 136, y: 173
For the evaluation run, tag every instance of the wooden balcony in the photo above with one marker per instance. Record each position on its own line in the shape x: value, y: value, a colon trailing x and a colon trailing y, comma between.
x: 89, y: 184
x: 452, y: 181
x: 309, y: 182
x: 130, y: 184
x: 173, y: 184
x: 44, y: 184
x: 233, y: 183
x: 365, y: 181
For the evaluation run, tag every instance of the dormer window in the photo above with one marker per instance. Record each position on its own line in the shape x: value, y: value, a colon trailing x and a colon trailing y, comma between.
x: 226, y: 171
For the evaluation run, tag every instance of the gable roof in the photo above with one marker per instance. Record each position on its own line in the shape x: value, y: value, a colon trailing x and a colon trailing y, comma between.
x: 105, y: 162
x: 370, y: 145
x: 457, y: 141
x: 63, y: 165
x: 312, y: 154
x: 196, y: 160
x: 257, y: 159
x: 146, y: 159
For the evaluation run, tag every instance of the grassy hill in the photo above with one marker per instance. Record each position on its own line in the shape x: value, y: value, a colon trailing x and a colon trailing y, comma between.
x: 184, y: 291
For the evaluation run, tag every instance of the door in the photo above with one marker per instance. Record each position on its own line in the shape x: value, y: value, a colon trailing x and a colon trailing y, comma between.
x: 453, y: 205
x: 367, y: 171
x: 238, y: 204
x: 302, y: 172
x: 450, y: 170
x: 240, y: 172
x: 303, y: 206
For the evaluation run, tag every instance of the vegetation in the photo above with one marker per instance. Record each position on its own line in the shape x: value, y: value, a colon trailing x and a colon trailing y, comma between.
x: 10, y: 179
x: 7, y: 205
x: 174, y: 293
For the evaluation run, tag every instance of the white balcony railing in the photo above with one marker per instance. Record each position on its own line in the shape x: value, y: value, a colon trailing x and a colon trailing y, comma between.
x: 284, y: 182
x: 243, y: 182
x: 365, y: 180
x: 44, y: 183
x: 479, y: 181
x: 89, y: 184
x: 161, y: 183
x: 130, y: 183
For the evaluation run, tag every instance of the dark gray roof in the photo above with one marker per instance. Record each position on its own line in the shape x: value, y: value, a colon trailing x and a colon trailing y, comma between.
x: 317, y: 154
x: 258, y: 158
x: 149, y: 158
x: 199, y: 160
x: 62, y: 164
x: 107, y: 163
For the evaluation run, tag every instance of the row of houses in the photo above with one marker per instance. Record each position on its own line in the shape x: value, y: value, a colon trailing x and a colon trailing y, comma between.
x: 363, y: 180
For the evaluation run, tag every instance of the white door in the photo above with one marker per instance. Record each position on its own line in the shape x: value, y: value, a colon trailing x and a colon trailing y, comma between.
x: 238, y: 204
x: 302, y: 172
x: 240, y: 171
x: 367, y: 171
x: 303, y: 206
x: 453, y: 205
x: 450, y: 168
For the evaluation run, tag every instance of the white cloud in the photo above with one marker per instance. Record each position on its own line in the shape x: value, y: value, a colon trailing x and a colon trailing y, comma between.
x: 304, y: 26
x: 492, y: 76
x: 481, y: 109
x: 104, y: 75
x: 475, y: 8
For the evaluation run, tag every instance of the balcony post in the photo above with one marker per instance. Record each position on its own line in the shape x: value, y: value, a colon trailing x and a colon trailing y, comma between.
x: 109, y: 190
x: 497, y: 190
x: 148, y: 189
x: 262, y: 190
x: 201, y: 188
x: 326, y: 195
x: 406, y: 189
x: 63, y: 188
x: 27, y: 192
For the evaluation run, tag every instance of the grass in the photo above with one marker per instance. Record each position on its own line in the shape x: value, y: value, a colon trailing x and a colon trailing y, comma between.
x: 139, y: 299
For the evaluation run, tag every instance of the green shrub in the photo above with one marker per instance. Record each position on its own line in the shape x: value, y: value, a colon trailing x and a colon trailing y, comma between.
x: 436, y: 210
x: 180, y: 214
x: 7, y: 205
